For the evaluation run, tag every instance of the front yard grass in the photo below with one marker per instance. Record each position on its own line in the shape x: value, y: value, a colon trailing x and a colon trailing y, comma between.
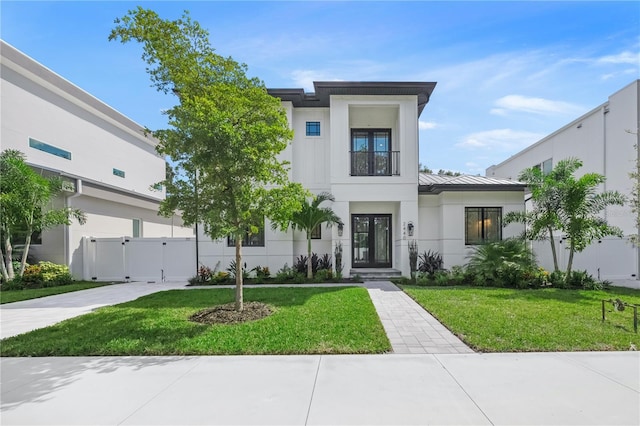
x: 305, y: 321
x: 10, y: 296
x: 509, y: 320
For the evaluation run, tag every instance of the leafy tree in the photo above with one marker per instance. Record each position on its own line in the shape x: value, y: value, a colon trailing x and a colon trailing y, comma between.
x: 225, y: 133
x: 567, y: 204
x: 580, y: 209
x: 26, y: 206
x: 312, y: 215
x: 634, y: 200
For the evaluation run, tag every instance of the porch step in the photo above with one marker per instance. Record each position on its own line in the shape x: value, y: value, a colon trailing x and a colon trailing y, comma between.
x: 375, y: 274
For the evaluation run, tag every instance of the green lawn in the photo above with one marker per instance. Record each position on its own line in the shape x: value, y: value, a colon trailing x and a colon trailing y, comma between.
x: 305, y: 321
x: 10, y: 296
x: 508, y: 320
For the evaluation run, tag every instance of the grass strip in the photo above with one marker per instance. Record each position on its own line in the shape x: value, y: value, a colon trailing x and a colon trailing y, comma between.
x: 313, y: 320
x: 10, y: 296
x: 510, y: 320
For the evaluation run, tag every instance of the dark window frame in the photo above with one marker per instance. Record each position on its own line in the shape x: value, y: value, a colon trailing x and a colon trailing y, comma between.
x: 313, y: 128
x: 316, y: 232
x: 483, y: 213
x: 253, y: 240
x: 371, y: 157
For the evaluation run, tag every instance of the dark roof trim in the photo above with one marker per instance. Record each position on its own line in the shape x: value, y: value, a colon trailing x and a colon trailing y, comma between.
x: 324, y: 90
x: 437, y: 189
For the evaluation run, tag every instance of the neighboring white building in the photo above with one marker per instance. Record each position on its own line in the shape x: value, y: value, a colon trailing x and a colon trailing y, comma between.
x: 105, y: 158
x: 604, y: 139
x: 359, y: 141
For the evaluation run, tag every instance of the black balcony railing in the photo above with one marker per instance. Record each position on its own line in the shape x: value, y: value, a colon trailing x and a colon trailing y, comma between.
x: 375, y: 163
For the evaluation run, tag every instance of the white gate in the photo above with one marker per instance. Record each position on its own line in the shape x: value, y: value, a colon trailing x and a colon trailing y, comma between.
x: 139, y: 259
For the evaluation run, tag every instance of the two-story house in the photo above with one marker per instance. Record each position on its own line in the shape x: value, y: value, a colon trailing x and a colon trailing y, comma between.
x: 359, y: 141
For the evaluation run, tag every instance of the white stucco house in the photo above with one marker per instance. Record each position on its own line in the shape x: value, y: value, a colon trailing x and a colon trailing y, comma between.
x: 356, y: 140
x: 107, y: 162
x: 359, y: 141
x: 605, y: 139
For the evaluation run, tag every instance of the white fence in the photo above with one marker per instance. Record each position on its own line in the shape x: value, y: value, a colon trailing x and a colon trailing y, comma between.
x: 606, y: 259
x: 139, y: 259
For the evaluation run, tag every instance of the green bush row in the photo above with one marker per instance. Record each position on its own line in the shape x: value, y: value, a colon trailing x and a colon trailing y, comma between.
x: 42, y: 274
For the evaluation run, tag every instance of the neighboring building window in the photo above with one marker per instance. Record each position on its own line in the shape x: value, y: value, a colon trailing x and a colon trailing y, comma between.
x: 49, y: 149
x: 137, y: 228
x: 253, y: 240
x: 313, y: 128
x: 118, y: 173
x: 545, y: 167
x: 482, y: 225
x: 316, y: 233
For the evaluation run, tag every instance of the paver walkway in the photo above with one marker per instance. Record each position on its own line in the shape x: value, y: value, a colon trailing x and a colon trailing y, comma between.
x: 411, y: 329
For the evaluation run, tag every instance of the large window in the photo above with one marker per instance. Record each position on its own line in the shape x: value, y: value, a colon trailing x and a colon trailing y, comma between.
x: 371, y: 153
x: 249, y: 240
x: 482, y: 225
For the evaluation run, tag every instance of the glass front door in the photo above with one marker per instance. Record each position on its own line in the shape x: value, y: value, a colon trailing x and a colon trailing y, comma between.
x: 371, y: 240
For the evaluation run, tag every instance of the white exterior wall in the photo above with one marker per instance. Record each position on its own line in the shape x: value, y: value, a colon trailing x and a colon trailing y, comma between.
x: 38, y: 104
x: 442, y: 221
x: 600, y: 139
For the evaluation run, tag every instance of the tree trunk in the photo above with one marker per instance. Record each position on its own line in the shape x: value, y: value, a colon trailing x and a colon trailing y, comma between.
x: 5, y: 274
x: 569, y: 264
x: 8, y: 249
x: 309, y: 266
x: 27, y: 244
x: 239, y: 277
x: 553, y: 250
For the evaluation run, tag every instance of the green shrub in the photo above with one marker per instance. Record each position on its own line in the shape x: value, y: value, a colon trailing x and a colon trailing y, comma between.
x: 53, y: 271
x: 323, y: 275
x: 286, y: 273
x: 441, y: 278
x: 429, y: 262
x: 14, y: 284
x: 501, y: 263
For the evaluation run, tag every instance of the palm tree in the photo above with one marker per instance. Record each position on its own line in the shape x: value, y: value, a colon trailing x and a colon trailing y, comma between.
x: 312, y: 215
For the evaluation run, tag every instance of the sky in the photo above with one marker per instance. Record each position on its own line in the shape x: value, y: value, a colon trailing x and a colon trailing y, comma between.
x: 508, y: 73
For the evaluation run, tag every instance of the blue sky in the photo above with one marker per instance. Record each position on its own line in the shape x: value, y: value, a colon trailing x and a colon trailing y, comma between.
x: 507, y: 73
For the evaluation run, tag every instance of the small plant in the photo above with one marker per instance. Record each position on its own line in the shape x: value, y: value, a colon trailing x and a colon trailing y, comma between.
x: 286, y: 273
x: 232, y: 270
x: 204, y: 274
x: 441, y: 278
x: 430, y: 262
x: 300, y: 264
x: 262, y: 272
x: 323, y: 275
x: 337, y: 253
x: 413, y: 258
x: 325, y: 262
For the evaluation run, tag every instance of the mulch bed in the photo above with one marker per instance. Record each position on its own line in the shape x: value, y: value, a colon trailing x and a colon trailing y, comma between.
x: 226, y: 314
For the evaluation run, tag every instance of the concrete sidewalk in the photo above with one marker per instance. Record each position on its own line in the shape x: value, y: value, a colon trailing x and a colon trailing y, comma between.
x: 596, y: 388
x: 21, y: 317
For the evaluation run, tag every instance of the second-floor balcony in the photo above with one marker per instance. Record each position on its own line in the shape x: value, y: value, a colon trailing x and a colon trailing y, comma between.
x: 375, y: 163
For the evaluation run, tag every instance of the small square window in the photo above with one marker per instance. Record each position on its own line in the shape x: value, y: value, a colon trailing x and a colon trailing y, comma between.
x: 118, y: 173
x: 313, y: 128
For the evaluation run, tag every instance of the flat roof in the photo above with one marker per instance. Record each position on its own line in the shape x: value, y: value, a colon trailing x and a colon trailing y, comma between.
x: 324, y: 89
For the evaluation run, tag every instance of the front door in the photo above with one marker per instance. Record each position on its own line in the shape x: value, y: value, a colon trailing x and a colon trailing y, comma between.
x: 371, y: 240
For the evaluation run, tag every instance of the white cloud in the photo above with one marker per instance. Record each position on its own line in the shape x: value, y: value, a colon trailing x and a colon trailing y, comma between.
x: 625, y: 57
x: 305, y: 78
x: 426, y: 125
x: 534, y: 106
x: 504, y: 140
